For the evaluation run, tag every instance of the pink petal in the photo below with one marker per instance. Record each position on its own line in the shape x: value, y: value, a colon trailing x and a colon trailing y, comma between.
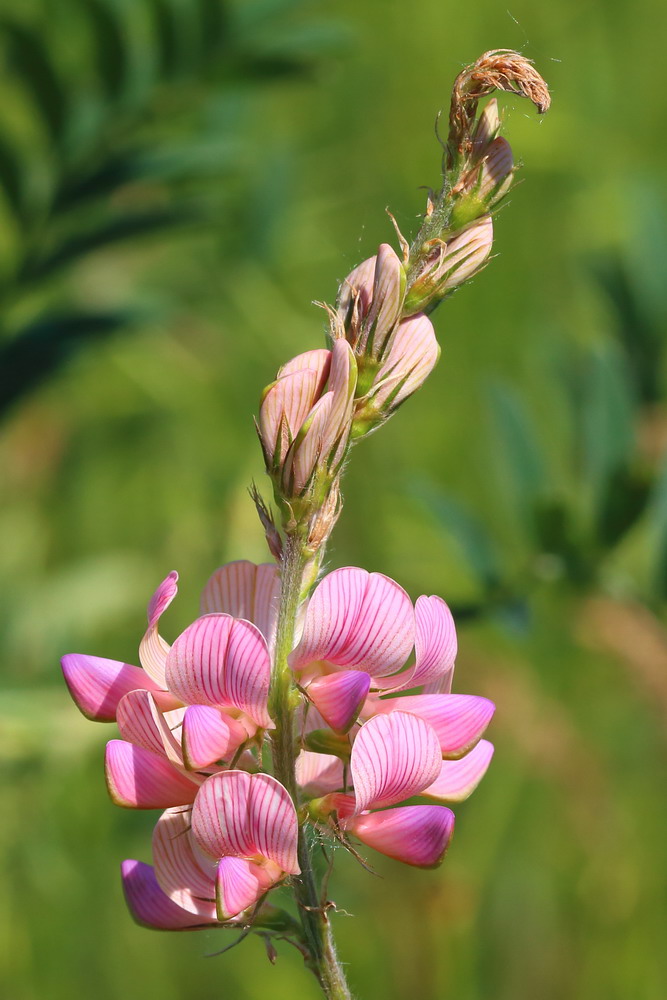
x: 162, y: 598
x: 188, y: 880
x: 357, y: 619
x: 415, y: 835
x: 224, y: 661
x: 339, y: 697
x: 243, y: 590
x: 285, y: 406
x: 139, y: 779
x: 458, y: 719
x: 149, y: 905
x: 342, y: 384
x: 241, y: 883
x: 318, y: 361
x: 388, y: 294
x: 241, y: 815
x: 411, y: 358
x: 356, y: 293
x: 153, y: 649
x: 307, y: 453
x: 97, y: 684
x: 141, y: 722
x: 318, y: 773
x: 209, y: 736
x: 435, y: 642
x: 393, y: 757
x: 459, y: 778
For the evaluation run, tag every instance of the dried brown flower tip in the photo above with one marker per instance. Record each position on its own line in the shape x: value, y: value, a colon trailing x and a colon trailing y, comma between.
x: 498, y: 69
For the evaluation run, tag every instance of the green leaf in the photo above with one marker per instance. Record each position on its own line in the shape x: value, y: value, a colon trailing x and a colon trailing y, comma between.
x: 516, y: 445
x: 31, y: 61
x: 111, y: 52
x: 12, y: 173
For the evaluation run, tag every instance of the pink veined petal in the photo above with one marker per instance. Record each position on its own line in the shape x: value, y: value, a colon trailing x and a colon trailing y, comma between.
x: 415, y: 835
x: 342, y: 383
x: 153, y: 649
x: 413, y: 355
x: 318, y: 361
x: 243, y: 590
x: 388, y: 295
x: 224, y: 661
x: 151, y: 908
x: 357, y: 619
x: 435, y: 643
x: 240, y: 883
x: 393, y: 757
x: 97, y: 684
x: 307, y: 452
x: 187, y: 881
x: 459, y: 778
x: 139, y: 779
x: 209, y: 736
x: 339, y: 697
x: 458, y: 719
x: 141, y: 722
x: 443, y: 685
x: 286, y: 404
x: 357, y: 288
x: 319, y: 773
x: 239, y: 814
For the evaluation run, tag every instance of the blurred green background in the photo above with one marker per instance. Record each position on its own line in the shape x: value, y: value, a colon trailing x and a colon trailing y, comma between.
x: 179, y: 179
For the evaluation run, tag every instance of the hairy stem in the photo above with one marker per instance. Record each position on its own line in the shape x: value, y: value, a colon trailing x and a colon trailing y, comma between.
x: 283, y: 702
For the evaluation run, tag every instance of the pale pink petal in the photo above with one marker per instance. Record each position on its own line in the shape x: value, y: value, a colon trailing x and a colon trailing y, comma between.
x: 285, y: 405
x: 388, y: 294
x: 411, y: 358
x: 339, y: 697
x: 141, y: 722
x: 357, y: 619
x: 318, y: 361
x: 152, y: 908
x: 415, y: 835
x: 306, y: 454
x: 241, y: 815
x: 241, y: 883
x: 459, y: 778
x: 209, y: 736
x: 356, y: 293
x: 187, y: 879
x: 224, y: 661
x: 97, y: 684
x: 243, y: 590
x: 319, y: 773
x: 153, y: 649
x: 496, y: 167
x: 465, y: 254
x: 393, y: 757
x: 342, y: 384
x: 458, y: 719
x: 139, y: 779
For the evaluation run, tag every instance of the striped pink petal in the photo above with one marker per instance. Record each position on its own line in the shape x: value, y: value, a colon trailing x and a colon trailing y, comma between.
x: 356, y: 294
x: 284, y: 407
x: 342, y: 384
x: 241, y: 815
x: 318, y: 773
x: 459, y: 778
x: 152, y: 908
x: 388, y: 294
x: 339, y: 697
x: 140, y: 779
x: 243, y: 590
x: 97, y: 684
x: 393, y: 757
x: 224, y: 661
x: 307, y: 452
x: 458, y: 719
x: 411, y: 358
x: 415, y: 835
x: 153, y: 649
x: 187, y: 879
x: 240, y: 883
x: 357, y: 619
x: 435, y: 642
x: 141, y: 722
x: 318, y: 361
x: 209, y: 736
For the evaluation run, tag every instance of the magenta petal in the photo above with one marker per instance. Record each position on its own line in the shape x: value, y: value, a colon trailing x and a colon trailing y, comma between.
x: 139, y: 779
x: 415, y: 835
x: 319, y: 773
x: 357, y: 619
x: 209, y: 736
x: 220, y: 660
x: 153, y: 649
x: 97, y: 684
x: 339, y: 697
x: 149, y: 905
x: 459, y: 778
x: 243, y: 590
x: 435, y: 641
x: 241, y: 883
x: 187, y: 879
x: 242, y: 815
x: 141, y: 722
x: 458, y: 719
x: 393, y: 757
x: 162, y: 598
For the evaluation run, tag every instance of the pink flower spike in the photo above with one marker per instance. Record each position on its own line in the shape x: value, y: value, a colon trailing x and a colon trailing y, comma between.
x: 393, y: 757
x: 244, y: 815
x: 458, y: 719
x: 141, y: 722
x: 240, y: 883
x: 459, y: 778
x: 223, y: 661
x: 339, y: 697
x: 97, y: 684
x: 415, y: 835
x: 140, y: 779
x: 357, y: 619
x: 319, y: 773
x: 188, y: 880
x: 243, y: 590
x: 209, y: 736
x: 151, y: 907
x: 153, y: 649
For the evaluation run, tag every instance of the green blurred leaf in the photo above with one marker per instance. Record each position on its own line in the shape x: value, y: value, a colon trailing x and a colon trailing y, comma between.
x: 12, y: 175
x: 516, y: 447
x: 111, y: 54
x: 31, y: 61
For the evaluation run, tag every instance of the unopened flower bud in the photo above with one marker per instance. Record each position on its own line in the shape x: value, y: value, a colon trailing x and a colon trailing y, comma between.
x: 449, y: 265
x: 487, y: 128
x: 370, y: 302
x: 326, y: 741
x: 484, y: 185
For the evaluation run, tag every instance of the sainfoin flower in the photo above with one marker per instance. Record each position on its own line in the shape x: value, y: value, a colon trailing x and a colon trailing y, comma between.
x: 193, y: 720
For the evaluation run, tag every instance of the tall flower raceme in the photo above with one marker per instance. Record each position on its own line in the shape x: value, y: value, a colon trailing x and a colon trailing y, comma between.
x: 294, y: 714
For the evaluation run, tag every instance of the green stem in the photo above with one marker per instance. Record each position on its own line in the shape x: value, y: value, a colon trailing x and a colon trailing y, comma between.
x: 283, y: 702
